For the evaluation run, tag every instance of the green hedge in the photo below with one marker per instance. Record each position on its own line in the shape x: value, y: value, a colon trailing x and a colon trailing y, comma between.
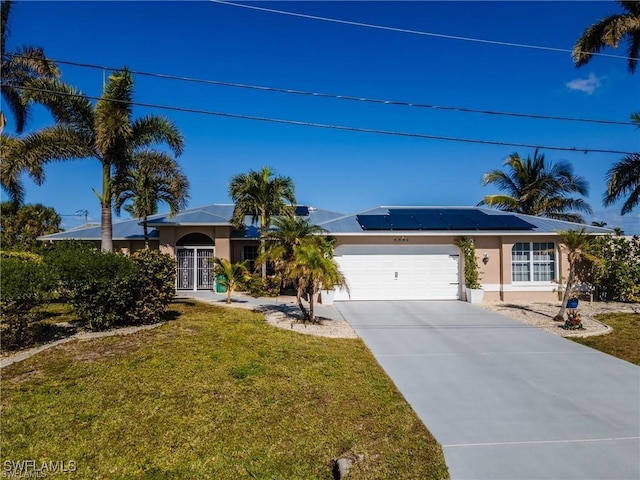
x: 26, y: 285
x: 111, y: 289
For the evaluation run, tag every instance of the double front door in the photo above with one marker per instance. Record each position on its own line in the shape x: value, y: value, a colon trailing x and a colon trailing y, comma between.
x: 195, y: 268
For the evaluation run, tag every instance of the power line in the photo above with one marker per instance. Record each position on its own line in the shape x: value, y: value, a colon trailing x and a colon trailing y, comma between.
x: 333, y: 127
x: 414, y: 32
x: 345, y: 97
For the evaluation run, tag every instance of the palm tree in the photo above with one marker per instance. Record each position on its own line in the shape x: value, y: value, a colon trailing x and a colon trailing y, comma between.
x: 311, y: 267
x: 623, y: 179
x: 576, y: 244
x: 261, y: 195
x: 17, y: 70
x: 153, y: 178
x: 609, y: 32
x: 105, y: 131
x: 230, y: 275
x: 534, y: 187
x: 286, y: 234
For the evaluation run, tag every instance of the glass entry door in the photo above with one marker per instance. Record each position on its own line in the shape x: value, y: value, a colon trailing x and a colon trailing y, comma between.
x: 195, y: 268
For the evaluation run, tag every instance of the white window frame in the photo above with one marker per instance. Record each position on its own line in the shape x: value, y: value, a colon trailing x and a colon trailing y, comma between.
x: 531, y: 262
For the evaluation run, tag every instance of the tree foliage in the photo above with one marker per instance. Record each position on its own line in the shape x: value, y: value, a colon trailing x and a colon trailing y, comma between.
x: 18, y: 69
x: 616, y: 274
x: 27, y: 284
x: 261, y: 196
x: 471, y: 271
x: 610, y: 32
x: 20, y: 226
x: 107, y: 132
x: 534, y: 187
x: 623, y: 179
x: 576, y: 244
x: 230, y: 275
x: 312, y: 268
x: 153, y: 178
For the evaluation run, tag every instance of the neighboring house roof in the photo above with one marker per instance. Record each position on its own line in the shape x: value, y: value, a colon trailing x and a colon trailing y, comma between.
x: 384, y: 220
x: 122, y: 230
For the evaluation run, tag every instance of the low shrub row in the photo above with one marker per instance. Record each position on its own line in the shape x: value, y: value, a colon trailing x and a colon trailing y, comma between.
x: 106, y: 290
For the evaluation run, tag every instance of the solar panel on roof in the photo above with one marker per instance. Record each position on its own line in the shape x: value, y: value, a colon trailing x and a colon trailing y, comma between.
x: 302, y: 211
x: 373, y: 222
x: 403, y: 222
x: 430, y: 221
x: 441, y: 219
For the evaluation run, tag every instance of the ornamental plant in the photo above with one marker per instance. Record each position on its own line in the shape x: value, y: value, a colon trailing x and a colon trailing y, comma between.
x: 471, y: 270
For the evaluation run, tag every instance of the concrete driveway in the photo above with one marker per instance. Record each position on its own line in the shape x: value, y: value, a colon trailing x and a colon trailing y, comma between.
x: 506, y: 400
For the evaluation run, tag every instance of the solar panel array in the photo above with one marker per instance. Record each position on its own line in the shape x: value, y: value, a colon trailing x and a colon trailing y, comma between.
x: 441, y: 219
x: 301, y: 211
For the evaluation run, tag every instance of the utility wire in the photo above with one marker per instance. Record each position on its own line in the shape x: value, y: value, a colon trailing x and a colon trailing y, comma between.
x: 330, y: 126
x: 414, y: 32
x: 344, y: 97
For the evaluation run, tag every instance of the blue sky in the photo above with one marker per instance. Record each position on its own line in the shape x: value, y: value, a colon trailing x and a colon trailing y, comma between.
x: 339, y: 170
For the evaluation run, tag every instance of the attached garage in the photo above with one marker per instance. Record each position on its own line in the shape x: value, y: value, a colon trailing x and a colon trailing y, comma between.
x: 399, y: 272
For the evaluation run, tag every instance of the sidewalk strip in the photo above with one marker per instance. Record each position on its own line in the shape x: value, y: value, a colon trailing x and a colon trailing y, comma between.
x: 535, y: 442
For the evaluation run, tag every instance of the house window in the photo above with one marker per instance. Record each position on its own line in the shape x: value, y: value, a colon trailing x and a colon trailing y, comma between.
x: 533, y: 262
x: 250, y: 253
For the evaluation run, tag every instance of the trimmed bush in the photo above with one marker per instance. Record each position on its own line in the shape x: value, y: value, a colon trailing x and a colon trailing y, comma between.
x: 109, y: 290
x: 26, y: 284
x: 155, y: 276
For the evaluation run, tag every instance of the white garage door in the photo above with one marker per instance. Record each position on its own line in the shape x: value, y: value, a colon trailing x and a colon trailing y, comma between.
x: 399, y: 272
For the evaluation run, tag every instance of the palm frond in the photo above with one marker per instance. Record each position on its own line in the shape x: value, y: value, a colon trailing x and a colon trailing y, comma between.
x: 623, y: 180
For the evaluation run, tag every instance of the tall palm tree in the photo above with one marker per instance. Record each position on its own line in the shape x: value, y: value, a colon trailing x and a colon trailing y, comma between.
x: 105, y: 131
x: 17, y: 70
x: 153, y: 178
x: 534, y: 187
x: 623, y: 179
x: 576, y: 244
x: 609, y: 32
x: 261, y: 195
x: 311, y: 268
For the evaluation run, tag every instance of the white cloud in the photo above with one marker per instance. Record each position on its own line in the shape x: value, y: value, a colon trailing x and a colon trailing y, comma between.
x: 587, y: 85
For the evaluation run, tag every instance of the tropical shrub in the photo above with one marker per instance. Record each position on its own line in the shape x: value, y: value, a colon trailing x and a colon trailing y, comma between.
x: 256, y: 286
x: 616, y: 274
x: 471, y: 271
x: 155, y: 277
x: 26, y: 285
x: 110, y: 289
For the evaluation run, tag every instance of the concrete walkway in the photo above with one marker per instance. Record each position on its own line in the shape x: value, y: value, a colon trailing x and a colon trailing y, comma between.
x: 506, y: 400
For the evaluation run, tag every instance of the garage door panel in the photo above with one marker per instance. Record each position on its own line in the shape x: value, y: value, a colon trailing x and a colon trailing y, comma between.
x: 400, y: 277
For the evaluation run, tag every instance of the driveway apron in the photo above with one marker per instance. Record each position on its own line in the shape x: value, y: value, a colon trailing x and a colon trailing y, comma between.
x: 506, y: 400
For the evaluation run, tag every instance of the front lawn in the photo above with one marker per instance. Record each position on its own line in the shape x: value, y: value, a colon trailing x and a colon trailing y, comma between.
x: 623, y: 342
x: 216, y: 393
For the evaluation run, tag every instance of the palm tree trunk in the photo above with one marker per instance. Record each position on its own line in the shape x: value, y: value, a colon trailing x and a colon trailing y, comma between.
x: 312, y: 315
x: 567, y: 292
x: 305, y: 314
x: 106, y: 227
x: 145, y: 228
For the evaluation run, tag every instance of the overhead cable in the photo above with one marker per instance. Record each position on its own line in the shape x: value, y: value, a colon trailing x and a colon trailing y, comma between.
x: 345, y: 97
x: 414, y: 32
x: 334, y: 127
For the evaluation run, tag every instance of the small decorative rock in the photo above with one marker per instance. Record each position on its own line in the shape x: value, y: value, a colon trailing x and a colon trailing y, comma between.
x: 342, y: 465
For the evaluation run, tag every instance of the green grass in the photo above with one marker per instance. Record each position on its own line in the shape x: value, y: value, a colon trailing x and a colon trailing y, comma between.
x: 216, y: 393
x: 623, y: 342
